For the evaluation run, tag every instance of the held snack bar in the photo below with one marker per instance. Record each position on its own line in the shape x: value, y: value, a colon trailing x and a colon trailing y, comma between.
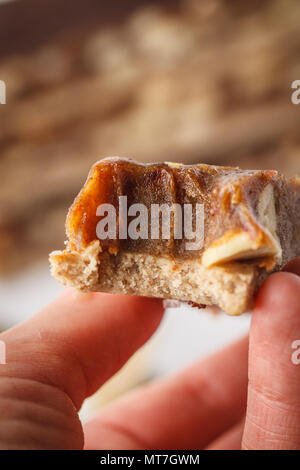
x: 203, y: 234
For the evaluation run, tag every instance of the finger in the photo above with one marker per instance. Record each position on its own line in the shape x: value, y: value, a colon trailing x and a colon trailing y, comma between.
x: 230, y: 440
x: 186, y: 411
x: 80, y: 340
x: 273, y: 411
x: 293, y: 266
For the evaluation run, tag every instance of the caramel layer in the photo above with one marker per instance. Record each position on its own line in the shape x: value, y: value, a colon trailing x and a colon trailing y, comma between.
x: 246, y: 213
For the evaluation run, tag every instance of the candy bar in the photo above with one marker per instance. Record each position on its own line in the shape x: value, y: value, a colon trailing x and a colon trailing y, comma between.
x: 197, y: 233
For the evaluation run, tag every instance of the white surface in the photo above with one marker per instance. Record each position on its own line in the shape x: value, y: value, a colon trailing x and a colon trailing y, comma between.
x: 188, y: 334
x: 25, y: 294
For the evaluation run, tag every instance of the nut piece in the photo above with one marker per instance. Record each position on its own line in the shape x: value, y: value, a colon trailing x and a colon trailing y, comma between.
x: 240, y: 245
x: 235, y: 246
x: 267, y: 217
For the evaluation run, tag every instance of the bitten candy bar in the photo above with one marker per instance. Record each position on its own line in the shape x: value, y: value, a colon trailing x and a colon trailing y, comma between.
x: 197, y: 233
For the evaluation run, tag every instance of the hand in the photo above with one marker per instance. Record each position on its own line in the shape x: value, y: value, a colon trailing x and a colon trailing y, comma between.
x: 65, y: 353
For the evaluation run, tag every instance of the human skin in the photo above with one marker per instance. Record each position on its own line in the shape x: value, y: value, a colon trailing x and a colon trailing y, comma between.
x: 245, y: 396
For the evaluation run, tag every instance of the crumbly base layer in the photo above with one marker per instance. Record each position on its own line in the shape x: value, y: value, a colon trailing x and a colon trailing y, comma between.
x: 231, y: 287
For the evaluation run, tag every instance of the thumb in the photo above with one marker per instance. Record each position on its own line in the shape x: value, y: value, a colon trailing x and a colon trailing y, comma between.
x: 273, y: 411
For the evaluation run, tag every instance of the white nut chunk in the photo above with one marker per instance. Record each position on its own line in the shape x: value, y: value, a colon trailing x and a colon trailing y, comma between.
x: 241, y: 245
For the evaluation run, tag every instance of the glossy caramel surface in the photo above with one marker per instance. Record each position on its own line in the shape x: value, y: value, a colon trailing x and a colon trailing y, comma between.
x: 229, y: 196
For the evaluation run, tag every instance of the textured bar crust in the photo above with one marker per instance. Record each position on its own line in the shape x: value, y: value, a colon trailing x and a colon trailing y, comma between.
x: 252, y: 228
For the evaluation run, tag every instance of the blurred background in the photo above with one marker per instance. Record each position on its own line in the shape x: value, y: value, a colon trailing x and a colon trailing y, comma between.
x: 178, y: 80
